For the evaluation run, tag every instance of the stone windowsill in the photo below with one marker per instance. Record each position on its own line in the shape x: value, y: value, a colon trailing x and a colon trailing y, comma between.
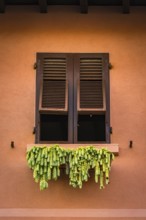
x: 114, y: 148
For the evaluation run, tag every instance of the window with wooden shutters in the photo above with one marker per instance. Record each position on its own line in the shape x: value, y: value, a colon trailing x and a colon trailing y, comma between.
x: 72, y: 98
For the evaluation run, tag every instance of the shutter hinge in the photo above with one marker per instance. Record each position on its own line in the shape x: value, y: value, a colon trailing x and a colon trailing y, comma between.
x: 35, y: 66
x: 111, y: 130
x: 110, y: 66
x: 34, y: 130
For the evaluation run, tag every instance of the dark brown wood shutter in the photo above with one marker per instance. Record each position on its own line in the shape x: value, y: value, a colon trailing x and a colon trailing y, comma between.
x: 91, y: 89
x: 54, y: 91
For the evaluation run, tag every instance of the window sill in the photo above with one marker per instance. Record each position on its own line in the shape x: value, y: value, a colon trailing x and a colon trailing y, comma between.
x: 114, y: 148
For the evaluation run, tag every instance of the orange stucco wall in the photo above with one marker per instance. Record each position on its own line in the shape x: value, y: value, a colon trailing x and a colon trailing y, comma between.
x: 23, y: 33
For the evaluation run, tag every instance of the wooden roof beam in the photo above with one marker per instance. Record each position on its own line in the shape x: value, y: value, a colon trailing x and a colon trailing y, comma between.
x: 2, y: 6
x: 126, y: 6
x: 43, y: 6
x: 84, y: 6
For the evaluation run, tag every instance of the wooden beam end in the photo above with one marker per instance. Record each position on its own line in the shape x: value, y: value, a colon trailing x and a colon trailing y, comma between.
x: 2, y: 6
x: 126, y: 6
x: 84, y: 6
x: 43, y: 6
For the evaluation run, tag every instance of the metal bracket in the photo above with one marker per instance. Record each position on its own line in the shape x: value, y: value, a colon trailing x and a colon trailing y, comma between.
x: 34, y: 130
x: 35, y: 66
x: 111, y: 130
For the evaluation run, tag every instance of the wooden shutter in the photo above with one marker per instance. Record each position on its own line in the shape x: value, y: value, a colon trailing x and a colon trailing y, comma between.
x: 91, y: 88
x: 54, y: 89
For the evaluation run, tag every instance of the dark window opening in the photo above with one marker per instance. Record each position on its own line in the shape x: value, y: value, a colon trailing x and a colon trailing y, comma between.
x: 91, y: 128
x: 53, y: 127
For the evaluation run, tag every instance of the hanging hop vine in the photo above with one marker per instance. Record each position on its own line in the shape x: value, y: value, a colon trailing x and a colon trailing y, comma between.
x: 83, y: 159
x: 46, y: 162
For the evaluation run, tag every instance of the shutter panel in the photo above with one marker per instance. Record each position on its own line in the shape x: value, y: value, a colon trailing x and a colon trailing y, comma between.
x: 91, y: 94
x: 54, y: 94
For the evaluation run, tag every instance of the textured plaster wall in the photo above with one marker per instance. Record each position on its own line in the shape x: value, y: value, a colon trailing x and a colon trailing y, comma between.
x: 23, y: 33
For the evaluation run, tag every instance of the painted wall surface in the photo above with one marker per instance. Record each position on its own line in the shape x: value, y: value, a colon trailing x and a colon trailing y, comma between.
x: 23, y: 33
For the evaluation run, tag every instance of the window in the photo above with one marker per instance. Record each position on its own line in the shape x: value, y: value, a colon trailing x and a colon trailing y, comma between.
x: 72, y: 98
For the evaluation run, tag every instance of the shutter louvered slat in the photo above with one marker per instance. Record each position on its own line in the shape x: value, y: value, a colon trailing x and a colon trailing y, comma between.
x: 54, y: 68
x: 91, y: 84
x: 54, y: 84
x: 91, y: 95
x: 53, y: 94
